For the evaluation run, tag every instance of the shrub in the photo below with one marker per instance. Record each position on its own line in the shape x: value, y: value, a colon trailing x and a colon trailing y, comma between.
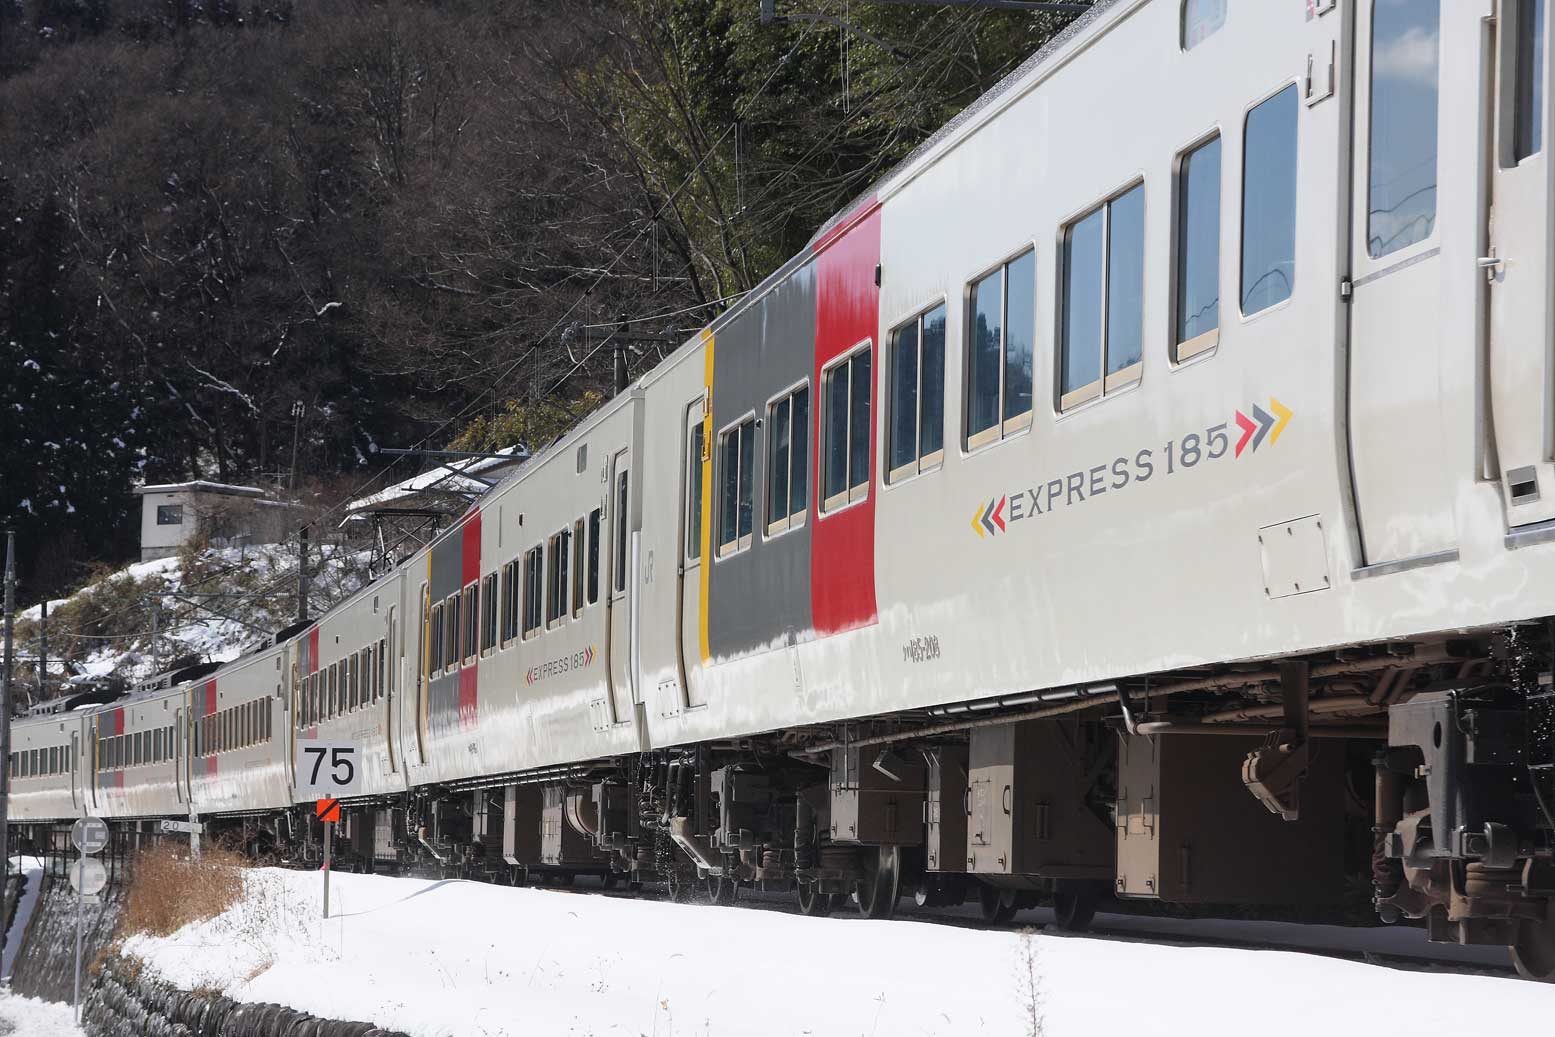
x: 167, y: 891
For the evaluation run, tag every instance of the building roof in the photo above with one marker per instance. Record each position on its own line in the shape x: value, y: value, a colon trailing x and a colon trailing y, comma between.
x: 453, y: 479
x: 201, y: 486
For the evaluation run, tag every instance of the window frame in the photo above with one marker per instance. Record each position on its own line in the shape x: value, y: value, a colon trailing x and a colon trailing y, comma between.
x: 510, y: 622
x: 453, y: 630
x: 596, y: 525
x: 793, y: 519
x: 740, y: 543
x: 699, y: 419
x: 1004, y: 428
x: 621, y: 505
x: 1105, y: 385
x: 579, y: 560
x: 533, y: 604
x: 434, y: 639
x: 170, y: 514
x: 1182, y: 27
x: 490, y: 603
x: 922, y: 464
x: 557, y: 553
x: 470, y: 623
x: 1513, y: 75
x: 854, y: 492
x: 1207, y: 342
x: 1241, y: 185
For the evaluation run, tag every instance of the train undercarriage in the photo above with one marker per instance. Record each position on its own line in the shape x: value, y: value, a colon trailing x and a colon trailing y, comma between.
x: 1422, y: 774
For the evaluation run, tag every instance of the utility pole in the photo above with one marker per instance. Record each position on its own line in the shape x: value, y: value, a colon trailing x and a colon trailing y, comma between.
x: 43, y: 653
x: 297, y: 411
x: 156, y: 623
x: 5, y: 724
x: 302, y: 574
x: 620, y: 358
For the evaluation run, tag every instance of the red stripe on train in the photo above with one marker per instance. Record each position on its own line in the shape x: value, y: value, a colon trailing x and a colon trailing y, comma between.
x: 847, y: 313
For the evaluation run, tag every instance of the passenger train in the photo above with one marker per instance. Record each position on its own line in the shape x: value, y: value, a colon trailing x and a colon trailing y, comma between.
x: 1147, y: 491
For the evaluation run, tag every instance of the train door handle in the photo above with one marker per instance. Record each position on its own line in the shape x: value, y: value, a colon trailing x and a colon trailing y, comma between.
x: 1491, y: 264
x: 1007, y: 799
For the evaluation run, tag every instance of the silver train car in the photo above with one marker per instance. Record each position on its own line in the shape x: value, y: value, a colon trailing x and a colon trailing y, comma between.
x: 1145, y: 493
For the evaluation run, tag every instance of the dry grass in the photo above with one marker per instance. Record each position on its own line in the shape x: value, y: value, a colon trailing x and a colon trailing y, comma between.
x: 168, y: 892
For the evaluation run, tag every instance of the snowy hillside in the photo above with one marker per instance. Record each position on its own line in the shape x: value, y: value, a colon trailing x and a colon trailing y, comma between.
x: 106, y: 627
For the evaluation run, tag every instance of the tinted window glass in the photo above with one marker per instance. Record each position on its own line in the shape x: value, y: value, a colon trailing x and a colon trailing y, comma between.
x: 594, y: 549
x: 729, y: 502
x: 987, y: 307
x: 1201, y: 19
x: 837, y: 430
x: 621, y: 501
x: 931, y: 432
x: 693, y: 499
x: 780, y: 452
x: 1405, y: 63
x: 1198, y: 242
x: 1020, y: 325
x: 799, y: 479
x: 858, y: 414
x: 1125, y: 280
x: 904, y: 395
x: 747, y: 440
x: 1081, y: 347
x: 1269, y: 203
x: 1529, y: 100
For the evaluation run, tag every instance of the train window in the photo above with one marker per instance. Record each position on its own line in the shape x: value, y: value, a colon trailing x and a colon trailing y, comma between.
x: 332, y: 696
x: 917, y: 400
x: 622, y: 498
x: 156, y: 746
x: 788, y: 460
x: 143, y: 747
x: 488, y: 612
x: 472, y: 622
x: 451, y: 631
x: 559, y: 552
x: 509, y: 602
x: 579, y: 549
x: 380, y: 658
x: 1528, y: 91
x: 1269, y: 203
x: 1103, y: 316
x: 1201, y: 19
x: 534, y: 579
x: 846, y: 392
x: 593, y: 581
x: 696, y: 449
x: 1405, y: 73
x: 736, y: 461
x: 435, y: 636
x: 353, y: 694
x: 1002, y: 323
x: 54, y: 759
x: 1197, y: 299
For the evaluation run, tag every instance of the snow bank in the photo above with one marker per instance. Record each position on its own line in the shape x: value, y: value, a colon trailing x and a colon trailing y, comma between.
x: 442, y: 958
x: 32, y: 867
x: 27, y: 1017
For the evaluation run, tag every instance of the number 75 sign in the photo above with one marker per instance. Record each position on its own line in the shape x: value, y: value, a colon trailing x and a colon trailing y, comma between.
x: 328, y: 768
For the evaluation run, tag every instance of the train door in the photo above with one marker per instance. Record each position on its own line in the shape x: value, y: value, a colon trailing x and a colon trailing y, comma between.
x: 75, y: 770
x: 1403, y: 490
x: 387, y: 667
x: 694, y: 463
x: 621, y: 600
x: 180, y: 765
x: 1517, y: 265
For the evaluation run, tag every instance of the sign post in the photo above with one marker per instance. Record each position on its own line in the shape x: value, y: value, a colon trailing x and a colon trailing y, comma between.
x: 89, y: 835
x: 326, y: 771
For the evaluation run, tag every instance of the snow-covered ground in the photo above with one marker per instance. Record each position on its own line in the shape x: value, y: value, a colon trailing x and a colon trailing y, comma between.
x: 27, y: 1017
x: 443, y: 958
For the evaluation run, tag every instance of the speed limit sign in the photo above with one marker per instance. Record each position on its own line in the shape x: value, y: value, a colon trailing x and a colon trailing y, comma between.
x: 327, y: 768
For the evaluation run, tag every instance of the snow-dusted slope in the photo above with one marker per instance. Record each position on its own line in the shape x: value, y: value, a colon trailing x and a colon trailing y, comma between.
x: 443, y: 958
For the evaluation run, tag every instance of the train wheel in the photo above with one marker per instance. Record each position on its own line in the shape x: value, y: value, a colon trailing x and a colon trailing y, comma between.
x: 813, y: 902
x: 1073, y: 910
x: 1534, y: 952
x: 721, y: 890
x: 998, y: 904
x: 634, y: 887
x: 877, y: 892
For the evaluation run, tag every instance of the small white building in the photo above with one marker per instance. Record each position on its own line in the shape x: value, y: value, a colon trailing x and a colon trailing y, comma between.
x: 174, y: 514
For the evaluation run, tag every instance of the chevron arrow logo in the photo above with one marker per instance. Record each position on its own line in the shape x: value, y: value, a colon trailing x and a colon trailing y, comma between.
x: 1281, y: 412
x: 1262, y: 425
x: 988, y: 519
x: 1244, y: 423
